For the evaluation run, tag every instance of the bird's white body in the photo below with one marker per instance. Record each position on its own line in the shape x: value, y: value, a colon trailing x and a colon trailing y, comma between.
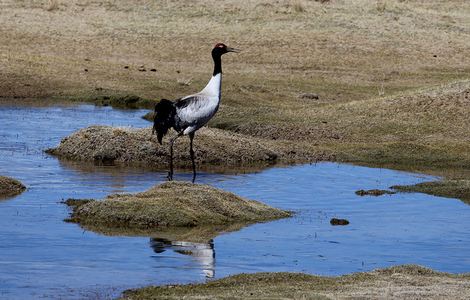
x: 199, y: 108
x: 203, y: 253
x: 186, y: 115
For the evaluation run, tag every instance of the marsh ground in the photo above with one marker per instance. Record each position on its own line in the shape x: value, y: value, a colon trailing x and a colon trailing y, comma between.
x: 401, y: 282
x: 10, y: 187
x: 392, y: 77
x: 172, y: 204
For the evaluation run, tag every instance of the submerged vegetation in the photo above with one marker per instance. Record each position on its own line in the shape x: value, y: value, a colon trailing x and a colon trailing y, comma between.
x: 339, y: 222
x: 374, y: 192
x: 171, y: 204
x: 408, y: 281
x: 10, y: 187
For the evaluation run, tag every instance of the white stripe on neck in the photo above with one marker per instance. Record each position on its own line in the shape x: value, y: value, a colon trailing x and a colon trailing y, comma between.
x: 214, y: 86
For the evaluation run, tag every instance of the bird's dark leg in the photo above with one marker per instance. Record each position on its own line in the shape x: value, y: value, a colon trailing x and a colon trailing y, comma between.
x: 172, y: 141
x: 191, y: 153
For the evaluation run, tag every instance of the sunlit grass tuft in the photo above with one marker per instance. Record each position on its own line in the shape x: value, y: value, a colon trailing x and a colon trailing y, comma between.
x: 52, y: 5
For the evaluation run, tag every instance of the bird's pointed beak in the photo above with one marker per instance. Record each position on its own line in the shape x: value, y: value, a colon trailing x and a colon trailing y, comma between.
x: 229, y: 49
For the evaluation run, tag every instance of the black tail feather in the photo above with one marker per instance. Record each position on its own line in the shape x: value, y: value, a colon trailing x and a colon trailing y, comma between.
x: 164, y: 118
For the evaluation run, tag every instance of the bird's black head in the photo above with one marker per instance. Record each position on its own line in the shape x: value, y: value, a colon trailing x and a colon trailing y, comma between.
x: 217, y: 53
x: 221, y: 49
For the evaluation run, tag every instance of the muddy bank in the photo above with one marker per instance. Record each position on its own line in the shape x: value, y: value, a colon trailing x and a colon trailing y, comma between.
x: 127, y: 101
x: 449, y: 188
x: 215, y: 147
x: 408, y: 281
x: 171, y: 204
x: 149, y: 116
x: 10, y: 187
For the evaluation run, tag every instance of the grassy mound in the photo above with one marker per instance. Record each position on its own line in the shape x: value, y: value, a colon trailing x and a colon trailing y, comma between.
x: 401, y: 282
x: 270, y: 89
x: 449, y: 188
x: 109, y: 145
x: 10, y: 187
x: 172, y: 204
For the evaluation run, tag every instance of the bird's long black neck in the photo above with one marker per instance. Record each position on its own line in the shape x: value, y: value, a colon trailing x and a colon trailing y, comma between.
x: 217, y: 63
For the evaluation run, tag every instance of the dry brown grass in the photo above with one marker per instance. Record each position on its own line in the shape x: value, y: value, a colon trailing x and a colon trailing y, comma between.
x: 428, y: 129
x: 379, y: 68
x: 52, y: 5
x: 400, y: 282
x: 213, y: 147
x: 172, y: 204
x: 425, y: 131
x: 10, y: 187
x: 343, y: 50
x: 450, y: 188
x: 297, y: 6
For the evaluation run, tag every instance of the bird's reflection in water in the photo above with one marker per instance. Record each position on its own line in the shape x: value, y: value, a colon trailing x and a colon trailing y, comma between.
x: 203, y: 253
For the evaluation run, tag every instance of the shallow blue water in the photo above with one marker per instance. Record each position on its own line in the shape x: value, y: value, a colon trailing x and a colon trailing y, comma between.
x: 41, y: 256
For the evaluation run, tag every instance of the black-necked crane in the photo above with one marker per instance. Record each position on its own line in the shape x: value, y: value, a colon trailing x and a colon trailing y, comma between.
x: 186, y: 115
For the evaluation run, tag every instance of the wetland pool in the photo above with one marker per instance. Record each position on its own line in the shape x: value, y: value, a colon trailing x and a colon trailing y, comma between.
x: 43, y: 257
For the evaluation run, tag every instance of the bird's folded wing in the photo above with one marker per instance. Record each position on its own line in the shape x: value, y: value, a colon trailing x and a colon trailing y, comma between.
x: 195, y: 110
